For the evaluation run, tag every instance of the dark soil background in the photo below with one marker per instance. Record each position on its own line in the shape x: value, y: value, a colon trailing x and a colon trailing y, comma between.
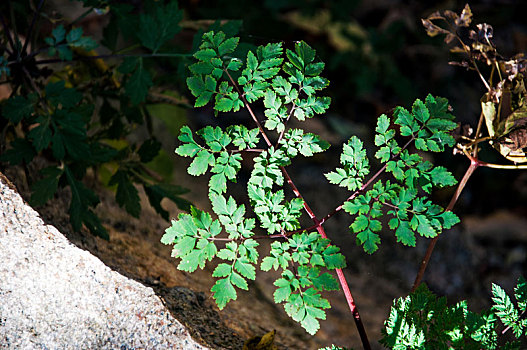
x: 378, y: 56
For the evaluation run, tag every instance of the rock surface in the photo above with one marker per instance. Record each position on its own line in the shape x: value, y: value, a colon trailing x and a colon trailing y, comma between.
x: 54, y: 295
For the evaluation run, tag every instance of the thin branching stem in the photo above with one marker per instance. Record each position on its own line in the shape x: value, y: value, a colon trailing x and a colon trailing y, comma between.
x: 81, y: 17
x: 7, y: 33
x: 255, y: 150
x: 478, y: 131
x: 474, y: 164
x: 249, y: 109
x: 143, y: 55
x: 33, y: 21
x: 367, y: 184
x: 492, y: 165
x: 285, y: 125
x: 508, y: 328
x: 342, y: 279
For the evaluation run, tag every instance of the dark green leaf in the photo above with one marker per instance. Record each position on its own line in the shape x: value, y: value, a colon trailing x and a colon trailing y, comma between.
x: 44, y: 189
x: 21, y: 151
x: 138, y: 83
x: 149, y: 150
x: 126, y: 195
x: 17, y: 108
x: 160, y: 25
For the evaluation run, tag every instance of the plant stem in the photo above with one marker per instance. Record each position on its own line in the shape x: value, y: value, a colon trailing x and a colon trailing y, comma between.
x: 81, y: 17
x: 8, y: 35
x: 522, y: 315
x: 342, y: 279
x: 144, y: 55
x: 492, y: 165
x: 368, y: 183
x: 246, y: 104
x: 474, y: 164
x: 33, y: 20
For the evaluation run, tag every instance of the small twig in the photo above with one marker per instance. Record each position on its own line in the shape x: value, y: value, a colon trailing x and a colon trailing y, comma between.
x: 474, y: 164
x: 473, y: 61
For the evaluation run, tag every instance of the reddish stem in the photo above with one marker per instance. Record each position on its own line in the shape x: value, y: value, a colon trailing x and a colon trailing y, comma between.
x: 342, y: 279
x: 474, y: 164
x: 368, y: 183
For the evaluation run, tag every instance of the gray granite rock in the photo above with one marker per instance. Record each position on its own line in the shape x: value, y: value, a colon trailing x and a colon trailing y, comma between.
x: 54, y: 295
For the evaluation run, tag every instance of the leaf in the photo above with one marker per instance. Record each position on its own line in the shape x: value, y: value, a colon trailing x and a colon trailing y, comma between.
x: 310, y: 324
x: 160, y: 25
x: 201, y: 163
x: 383, y: 123
x: 41, y: 134
x: 58, y: 94
x: 183, y: 248
x: 191, y: 261
x: 222, y: 270
x: 228, y: 46
x: 156, y: 193
x: 252, y: 61
x: 126, y: 195
x: 506, y: 310
x: 58, y: 33
x: 149, y: 150
x: 21, y: 151
x: 405, y: 235
x: 283, y: 292
x: 304, y: 52
x: 74, y: 35
x: 360, y: 224
x: 465, y: 18
x: 81, y: 200
x: 432, y: 29
x: 138, y: 83
x: 520, y: 292
x: 238, y: 281
x: 205, y: 55
x: 93, y: 223
x: 420, y: 111
x: 75, y: 39
x: 333, y: 259
x: 294, y: 59
x: 169, y: 237
x: 247, y: 270
x: 44, y: 189
x: 369, y: 240
x: 325, y: 282
x: 448, y: 219
x: 17, y: 108
x: 223, y: 292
